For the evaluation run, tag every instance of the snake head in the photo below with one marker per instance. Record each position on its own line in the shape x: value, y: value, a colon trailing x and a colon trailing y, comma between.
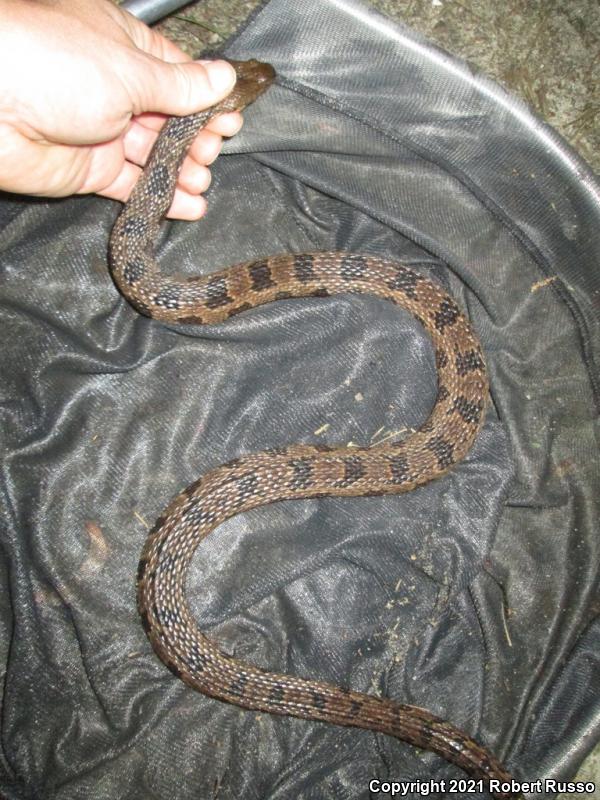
x: 253, y: 78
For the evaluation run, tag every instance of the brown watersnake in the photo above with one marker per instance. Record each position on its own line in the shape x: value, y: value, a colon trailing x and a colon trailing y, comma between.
x: 298, y: 471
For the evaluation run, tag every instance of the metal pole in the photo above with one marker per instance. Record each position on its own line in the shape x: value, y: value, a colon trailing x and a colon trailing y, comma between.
x: 150, y: 11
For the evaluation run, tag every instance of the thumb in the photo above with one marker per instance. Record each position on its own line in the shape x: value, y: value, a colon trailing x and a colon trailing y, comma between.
x: 183, y: 88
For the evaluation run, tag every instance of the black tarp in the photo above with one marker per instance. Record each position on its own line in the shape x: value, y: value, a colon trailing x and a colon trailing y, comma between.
x: 476, y: 596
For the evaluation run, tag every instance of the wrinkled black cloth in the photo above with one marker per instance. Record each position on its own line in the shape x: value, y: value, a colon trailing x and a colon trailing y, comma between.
x: 475, y: 596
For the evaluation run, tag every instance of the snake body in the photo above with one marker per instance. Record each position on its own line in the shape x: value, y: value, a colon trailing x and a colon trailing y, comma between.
x: 298, y: 471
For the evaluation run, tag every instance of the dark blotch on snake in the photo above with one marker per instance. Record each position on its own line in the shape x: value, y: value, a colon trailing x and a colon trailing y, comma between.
x: 441, y: 358
x: 191, y: 490
x: 193, y: 319
x: 470, y: 412
x: 174, y: 669
x: 134, y: 270
x: 443, y: 450
x: 355, y: 707
x: 277, y: 693
x: 168, y: 616
x: 146, y: 622
x: 143, y: 563
x: 238, y: 686
x: 405, y: 281
x: 471, y: 361
x: 442, y: 393
x: 159, y: 181
x: 323, y: 448
x: 199, y: 516
x: 260, y: 275
x: 179, y: 128
x: 447, y: 314
x: 135, y: 227
x: 159, y: 523
x: 216, y: 293
x: 239, y: 309
x: 169, y: 562
x: 304, y: 267
x: 399, y: 469
x: 247, y: 486
x: 354, y: 470
x: 277, y: 451
x: 194, y: 657
x: 168, y: 298
x: 303, y: 470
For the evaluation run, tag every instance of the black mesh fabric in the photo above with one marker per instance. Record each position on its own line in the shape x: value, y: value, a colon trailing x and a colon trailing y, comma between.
x: 475, y: 596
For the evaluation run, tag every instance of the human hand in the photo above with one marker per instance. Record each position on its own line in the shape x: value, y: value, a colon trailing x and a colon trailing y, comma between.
x: 84, y: 89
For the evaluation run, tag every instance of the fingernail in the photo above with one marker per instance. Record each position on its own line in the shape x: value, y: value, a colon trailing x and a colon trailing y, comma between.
x: 221, y: 75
